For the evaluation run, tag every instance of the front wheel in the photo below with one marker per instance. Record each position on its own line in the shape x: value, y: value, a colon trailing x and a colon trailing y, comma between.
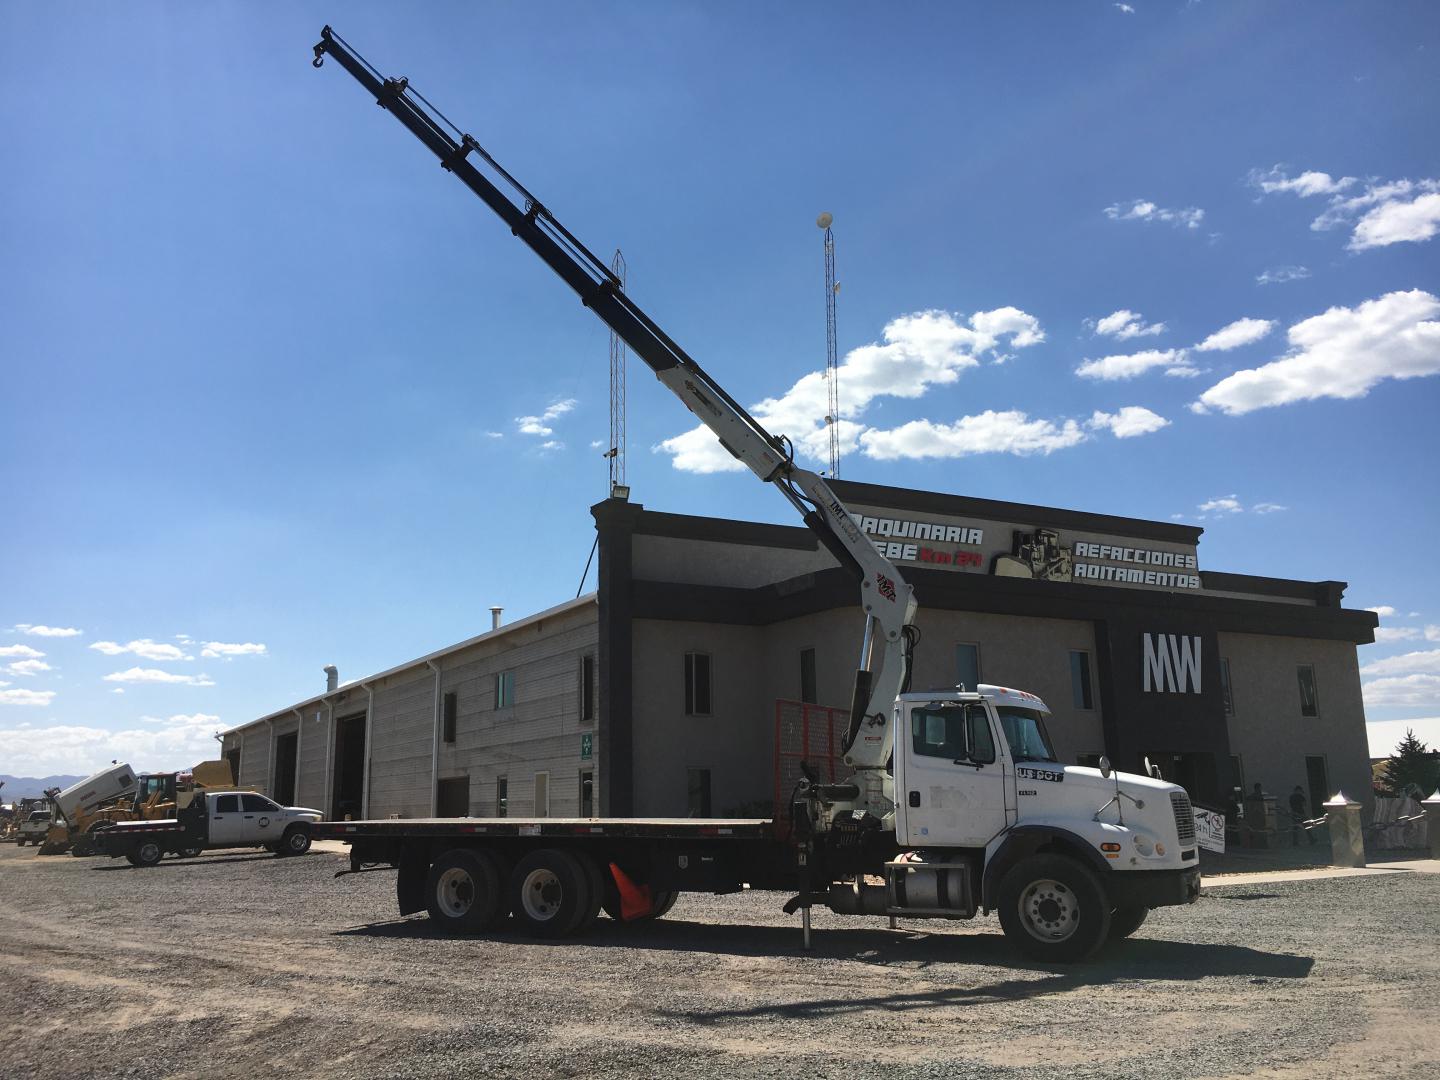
x: 148, y: 853
x: 296, y: 841
x: 1052, y: 908
x: 1125, y: 920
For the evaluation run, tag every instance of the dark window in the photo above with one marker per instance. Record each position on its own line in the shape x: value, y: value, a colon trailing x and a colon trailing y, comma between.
x: 502, y: 797
x: 1237, y: 774
x: 227, y: 804
x: 1309, y: 697
x: 699, y: 790
x: 1226, y: 694
x: 452, y: 797
x: 807, y: 677
x: 1080, y: 679
x: 967, y: 666
x: 587, y: 794
x: 504, y: 689
x: 257, y: 804
x: 697, y: 684
x: 452, y: 709
x: 542, y: 794
x: 587, y: 688
x: 1089, y: 760
x: 954, y: 733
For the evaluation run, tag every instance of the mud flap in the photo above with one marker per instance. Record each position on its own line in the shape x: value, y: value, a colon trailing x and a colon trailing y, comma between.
x: 410, y: 884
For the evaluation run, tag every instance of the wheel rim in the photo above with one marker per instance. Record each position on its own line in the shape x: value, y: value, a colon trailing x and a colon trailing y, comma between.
x: 1049, y: 910
x: 456, y: 892
x: 541, y: 895
x: 149, y: 852
x: 298, y: 841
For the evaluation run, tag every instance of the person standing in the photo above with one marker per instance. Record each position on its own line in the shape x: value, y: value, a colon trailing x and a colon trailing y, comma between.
x: 1297, y: 815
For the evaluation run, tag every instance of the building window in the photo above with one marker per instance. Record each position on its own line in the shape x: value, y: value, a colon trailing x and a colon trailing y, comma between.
x: 1226, y: 694
x: 542, y: 794
x: 451, y: 711
x: 502, y: 796
x: 697, y: 684
x: 967, y: 666
x: 1237, y: 776
x: 587, y: 688
x: 504, y: 689
x: 807, y: 677
x: 587, y: 794
x: 698, y: 782
x: 1080, y: 679
x: 1309, y: 698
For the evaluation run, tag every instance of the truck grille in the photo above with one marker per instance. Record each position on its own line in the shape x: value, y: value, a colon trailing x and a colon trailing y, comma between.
x: 1184, y: 817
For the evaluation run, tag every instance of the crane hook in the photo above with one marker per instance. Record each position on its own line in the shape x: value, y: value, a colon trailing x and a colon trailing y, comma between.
x: 319, y: 61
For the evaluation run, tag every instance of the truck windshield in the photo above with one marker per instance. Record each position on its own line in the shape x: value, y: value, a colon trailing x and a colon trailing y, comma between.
x: 1025, y: 733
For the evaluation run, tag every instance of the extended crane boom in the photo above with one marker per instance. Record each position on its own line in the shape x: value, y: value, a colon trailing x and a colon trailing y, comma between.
x: 886, y: 598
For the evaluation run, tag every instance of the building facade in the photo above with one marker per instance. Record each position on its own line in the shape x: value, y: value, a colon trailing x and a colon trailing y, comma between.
x: 657, y: 696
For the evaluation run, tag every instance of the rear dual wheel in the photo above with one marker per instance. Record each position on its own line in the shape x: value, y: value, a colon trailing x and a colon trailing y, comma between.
x: 146, y: 854
x: 554, y: 893
x: 464, y: 891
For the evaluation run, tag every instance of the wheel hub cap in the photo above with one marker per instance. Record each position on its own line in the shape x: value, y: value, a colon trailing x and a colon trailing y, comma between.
x: 456, y: 892
x: 542, y: 895
x: 1049, y: 910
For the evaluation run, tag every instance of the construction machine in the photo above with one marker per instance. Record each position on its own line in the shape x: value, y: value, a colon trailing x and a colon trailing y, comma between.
x: 149, y: 797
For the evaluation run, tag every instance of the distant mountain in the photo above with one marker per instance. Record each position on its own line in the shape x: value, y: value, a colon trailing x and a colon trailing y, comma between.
x: 27, y: 787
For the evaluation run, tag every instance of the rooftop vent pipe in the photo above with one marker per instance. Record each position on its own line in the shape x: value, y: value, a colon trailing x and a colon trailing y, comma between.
x: 495, y: 617
x: 332, y: 678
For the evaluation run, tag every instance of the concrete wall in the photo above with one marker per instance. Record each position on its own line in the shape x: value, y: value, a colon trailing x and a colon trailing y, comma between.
x: 315, y: 747
x: 1267, y: 730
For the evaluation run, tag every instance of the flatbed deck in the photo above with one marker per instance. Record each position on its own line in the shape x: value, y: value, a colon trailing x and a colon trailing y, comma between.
x: 629, y: 828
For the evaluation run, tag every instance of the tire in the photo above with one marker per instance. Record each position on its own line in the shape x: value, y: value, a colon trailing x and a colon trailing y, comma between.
x: 190, y: 852
x: 147, y: 853
x: 1053, y: 908
x: 464, y: 891
x: 595, y: 878
x: 1125, y: 920
x: 663, y: 902
x: 296, y: 841
x: 549, y: 893
x: 660, y: 901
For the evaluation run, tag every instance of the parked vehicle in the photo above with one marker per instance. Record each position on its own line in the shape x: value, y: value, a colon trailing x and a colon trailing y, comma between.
x: 225, y: 819
x: 34, y: 828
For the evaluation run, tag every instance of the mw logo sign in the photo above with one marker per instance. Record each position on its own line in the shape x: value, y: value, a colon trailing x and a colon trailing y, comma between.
x: 1172, y: 664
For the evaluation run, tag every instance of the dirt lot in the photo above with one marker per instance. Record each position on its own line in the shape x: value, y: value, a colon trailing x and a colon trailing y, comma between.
x: 239, y: 964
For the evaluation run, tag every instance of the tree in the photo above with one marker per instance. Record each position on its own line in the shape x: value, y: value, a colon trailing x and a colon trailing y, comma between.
x: 1412, y: 766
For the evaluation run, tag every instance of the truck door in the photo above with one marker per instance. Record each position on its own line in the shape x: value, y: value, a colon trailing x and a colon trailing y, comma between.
x: 226, y: 824
x: 950, y: 786
x: 261, y: 820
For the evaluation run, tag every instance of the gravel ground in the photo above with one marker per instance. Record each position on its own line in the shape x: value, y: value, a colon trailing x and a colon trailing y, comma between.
x: 243, y: 965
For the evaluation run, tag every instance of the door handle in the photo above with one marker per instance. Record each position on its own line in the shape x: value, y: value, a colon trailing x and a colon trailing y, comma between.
x: 914, y: 798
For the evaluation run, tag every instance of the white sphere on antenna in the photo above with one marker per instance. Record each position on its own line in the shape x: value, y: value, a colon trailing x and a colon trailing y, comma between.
x: 824, y: 220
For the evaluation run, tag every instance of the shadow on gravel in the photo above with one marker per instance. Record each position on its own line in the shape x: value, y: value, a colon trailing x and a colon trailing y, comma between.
x: 1135, y: 959
x: 203, y: 860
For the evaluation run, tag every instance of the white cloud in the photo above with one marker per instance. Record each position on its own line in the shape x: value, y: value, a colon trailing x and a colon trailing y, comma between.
x: 1125, y: 9
x: 1384, y: 635
x: 154, y: 744
x: 48, y: 631
x: 990, y: 432
x: 155, y: 675
x: 1125, y: 324
x: 143, y: 648
x: 1384, y: 610
x: 920, y: 351
x: 1145, y: 210
x: 215, y: 649
x: 28, y: 667
x: 1432, y: 633
x: 1384, y: 735
x: 552, y: 444
x: 118, y: 690
x: 1175, y: 362
x: 24, y: 651
x: 1278, y: 275
x: 1413, y: 690
x: 494, y: 434
x: 540, y: 425
x: 1426, y: 661
x: 1238, y: 333
x: 1340, y: 354
x: 1223, y: 504
x: 26, y: 697
x: 1393, y: 212
x: 1268, y: 508
x: 1129, y: 421
x: 596, y: 444
x: 1304, y: 185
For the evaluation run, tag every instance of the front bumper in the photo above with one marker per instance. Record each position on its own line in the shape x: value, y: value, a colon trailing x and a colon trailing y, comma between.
x: 1154, y: 888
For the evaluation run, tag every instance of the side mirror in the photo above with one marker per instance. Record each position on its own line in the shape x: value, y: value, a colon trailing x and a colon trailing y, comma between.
x: 1105, y: 769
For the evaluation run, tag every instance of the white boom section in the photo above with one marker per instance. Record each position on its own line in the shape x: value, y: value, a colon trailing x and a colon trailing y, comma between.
x: 887, y: 599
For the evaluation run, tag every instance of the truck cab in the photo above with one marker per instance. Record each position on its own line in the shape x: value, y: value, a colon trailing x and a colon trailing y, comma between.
x: 248, y: 819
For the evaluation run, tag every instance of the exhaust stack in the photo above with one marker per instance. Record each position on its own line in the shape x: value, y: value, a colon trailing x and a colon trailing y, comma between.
x: 495, y: 617
x: 332, y: 678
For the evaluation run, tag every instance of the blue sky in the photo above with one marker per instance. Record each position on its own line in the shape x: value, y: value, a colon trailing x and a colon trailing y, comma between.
x: 267, y: 370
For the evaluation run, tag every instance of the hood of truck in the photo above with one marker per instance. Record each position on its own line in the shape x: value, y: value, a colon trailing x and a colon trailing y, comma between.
x: 1070, y: 796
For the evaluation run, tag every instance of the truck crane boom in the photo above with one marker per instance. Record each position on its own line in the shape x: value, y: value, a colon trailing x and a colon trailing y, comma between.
x: 887, y: 600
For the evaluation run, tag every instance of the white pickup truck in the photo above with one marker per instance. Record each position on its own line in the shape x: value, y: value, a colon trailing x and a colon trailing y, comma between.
x: 222, y: 819
x: 34, y: 828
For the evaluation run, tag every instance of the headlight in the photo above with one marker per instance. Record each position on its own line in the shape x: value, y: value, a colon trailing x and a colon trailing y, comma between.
x: 1143, y: 844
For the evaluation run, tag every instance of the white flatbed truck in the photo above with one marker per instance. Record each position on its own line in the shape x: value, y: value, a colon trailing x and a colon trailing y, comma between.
x: 956, y: 804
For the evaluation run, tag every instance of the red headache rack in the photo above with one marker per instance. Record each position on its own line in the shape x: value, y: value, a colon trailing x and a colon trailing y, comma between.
x: 809, y: 733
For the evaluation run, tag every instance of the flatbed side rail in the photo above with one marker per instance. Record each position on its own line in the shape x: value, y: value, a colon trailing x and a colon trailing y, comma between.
x: 559, y: 828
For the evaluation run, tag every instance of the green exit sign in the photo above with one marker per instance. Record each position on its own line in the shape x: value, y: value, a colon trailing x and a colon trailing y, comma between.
x: 586, y: 745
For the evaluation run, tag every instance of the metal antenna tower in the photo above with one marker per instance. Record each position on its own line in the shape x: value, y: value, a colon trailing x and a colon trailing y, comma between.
x: 616, y: 453
x: 832, y: 373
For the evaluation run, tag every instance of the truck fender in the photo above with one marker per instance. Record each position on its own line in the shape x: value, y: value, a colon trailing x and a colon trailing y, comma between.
x: 1026, y: 840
